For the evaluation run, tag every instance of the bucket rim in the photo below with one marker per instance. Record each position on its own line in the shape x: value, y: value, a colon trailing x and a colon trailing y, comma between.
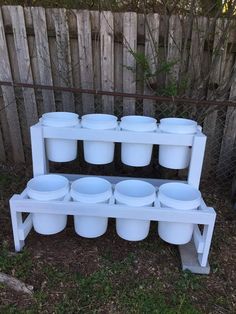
x: 167, y: 197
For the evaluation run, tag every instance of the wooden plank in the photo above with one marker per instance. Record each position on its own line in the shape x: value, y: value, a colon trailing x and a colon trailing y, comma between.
x: 54, y: 61
x: 129, y: 62
x: 2, y: 148
x: 216, y: 82
x: 64, y: 57
x: 187, y: 22
x: 219, y: 57
x: 5, y: 131
x: 75, y: 64
x: 229, y: 133
x: 23, y: 59
x: 152, y: 24
x: 196, y: 55
x: 10, y: 106
x: 85, y: 58
x: 174, y: 48
x: 229, y: 136
x: 43, y: 56
x: 96, y: 47
x: 118, y: 66
x: 107, y: 58
x: 139, y: 63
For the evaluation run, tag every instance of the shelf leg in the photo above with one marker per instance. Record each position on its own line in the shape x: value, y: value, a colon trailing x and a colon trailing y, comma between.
x: 197, y: 156
x: 16, y: 220
x: 207, y: 236
x: 39, y: 158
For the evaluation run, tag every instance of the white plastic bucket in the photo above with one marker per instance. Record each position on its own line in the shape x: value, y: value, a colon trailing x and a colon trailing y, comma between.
x: 91, y: 190
x: 133, y: 154
x: 50, y: 187
x: 96, y: 152
x: 179, y: 196
x: 174, y: 156
x: 133, y: 193
x: 61, y: 150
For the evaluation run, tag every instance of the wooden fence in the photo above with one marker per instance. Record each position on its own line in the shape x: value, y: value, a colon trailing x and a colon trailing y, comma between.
x: 124, y: 52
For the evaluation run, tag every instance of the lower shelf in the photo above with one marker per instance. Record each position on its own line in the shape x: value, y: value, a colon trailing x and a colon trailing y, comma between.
x: 194, y: 255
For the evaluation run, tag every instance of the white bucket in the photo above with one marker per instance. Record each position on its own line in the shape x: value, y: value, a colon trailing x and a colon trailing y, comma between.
x: 133, y: 154
x: 50, y: 187
x: 174, y: 156
x: 91, y: 190
x: 179, y: 196
x: 133, y: 193
x: 96, y: 152
x: 61, y: 150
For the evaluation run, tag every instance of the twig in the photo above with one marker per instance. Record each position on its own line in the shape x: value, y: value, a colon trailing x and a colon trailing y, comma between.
x: 15, y: 284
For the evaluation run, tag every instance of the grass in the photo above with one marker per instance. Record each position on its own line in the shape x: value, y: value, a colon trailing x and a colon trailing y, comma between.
x: 106, y: 287
x: 19, y: 265
x: 113, y: 285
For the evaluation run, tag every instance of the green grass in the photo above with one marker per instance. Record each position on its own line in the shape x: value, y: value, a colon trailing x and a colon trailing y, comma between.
x: 117, y: 284
x: 114, y: 283
x: 19, y: 265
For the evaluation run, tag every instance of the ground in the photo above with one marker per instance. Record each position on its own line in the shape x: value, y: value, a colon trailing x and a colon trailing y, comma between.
x: 71, y: 274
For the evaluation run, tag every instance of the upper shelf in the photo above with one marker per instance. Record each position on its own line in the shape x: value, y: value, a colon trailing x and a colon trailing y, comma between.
x: 157, y: 137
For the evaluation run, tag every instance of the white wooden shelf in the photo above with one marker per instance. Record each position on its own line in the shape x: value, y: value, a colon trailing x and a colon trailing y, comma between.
x: 197, y: 141
x: 194, y: 255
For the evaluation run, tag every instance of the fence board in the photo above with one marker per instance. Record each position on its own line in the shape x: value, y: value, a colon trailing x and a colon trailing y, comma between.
x: 64, y: 57
x: 227, y: 151
x: 219, y: 53
x: 95, y: 28
x: 139, y: 62
x: 152, y: 22
x: 174, y: 48
x: 196, y: 55
x: 85, y: 58
x: 75, y: 62
x: 217, y: 73
x: 5, y: 132
x: 43, y: 56
x: 107, y: 58
x: 23, y: 60
x: 129, y: 62
x: 9, y: 98
x: 2, y: 148
x: 118, y: 60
